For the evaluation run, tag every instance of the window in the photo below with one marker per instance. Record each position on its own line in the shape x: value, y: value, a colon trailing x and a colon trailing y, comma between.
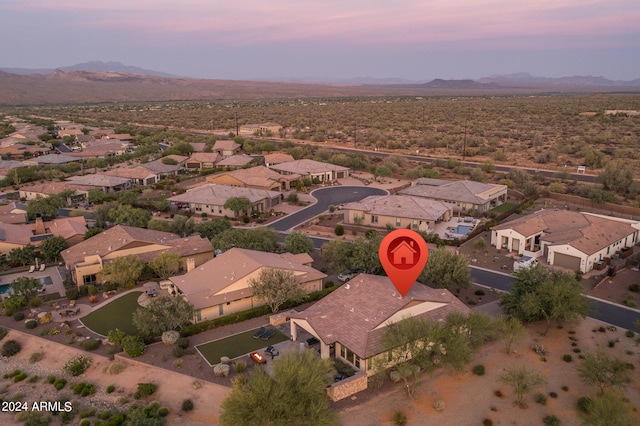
x: 415, y: 224
x: 374, y: 219
x: 398, y: 221
x: 89, y: 279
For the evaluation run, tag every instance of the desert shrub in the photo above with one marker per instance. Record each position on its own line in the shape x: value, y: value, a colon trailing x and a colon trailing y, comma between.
x: 635, y: 288
x: 20, y: 377
x: 10, y: 348
x: 46, y: 318
x: 3, y: 332
x: 13, y: 374
x: 498, y: 393
x: 240, y: 366
x: 76, y: 365
x: 630, y: 334
x: 34, y: 379
x: 567, y: 358
x: 31, y: 324
x: 541, y: 399
x: 565, y: 388
x: 553, y: 395
x: 584, y: 404
x: 487, y: 422
x: 110, y: 389
x: 85, y: 422
x: 478, y: 370
x: 91, y: 344
x: 133, y: 346
x: 439, y: 405
x: 84, y: 389
x: 60, y: 383
x: 178, y: 352
x: 183, y: 342
x: 35, y: 357
x: 187, y: 405
x: 551, y: 421
x: 339, y: 230
x: 51, y: 379
x: 116, y: 367
x: 18, y: 316
x: 479, y: 292
x: 145, y: 390
x: 163, y: 412
x: 399, y: 418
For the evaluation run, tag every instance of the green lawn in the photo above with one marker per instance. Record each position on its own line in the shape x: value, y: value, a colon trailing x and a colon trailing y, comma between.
x: 115, y: 314
x: 503, y: 207
x: 236, y: 345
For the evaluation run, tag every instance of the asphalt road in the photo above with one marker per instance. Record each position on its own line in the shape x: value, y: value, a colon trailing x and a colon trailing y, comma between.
x: 617, y: 315
x: 326, y: 197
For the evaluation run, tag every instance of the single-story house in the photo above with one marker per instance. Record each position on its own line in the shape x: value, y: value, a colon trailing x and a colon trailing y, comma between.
x: 466, y: 195
x: 236, y: 161
x: 85, y: 260
x: 166, y: 170
x: 574, y: 240
x: 138, y: 175
x: 222, y: 285
x: 102, y: 149
x: 258, y: 177
x: 51, y: 159
x: 202, y: 160
x: 398, y: 211
x: 277, y: 158
x: 226, y: 147
x: 350, y: 321
x: 46, y: 189
x: 104, y: 182
x: 324, y: 172
x: 72, y: 229
x: 13, y: 213
x: 210, y: 199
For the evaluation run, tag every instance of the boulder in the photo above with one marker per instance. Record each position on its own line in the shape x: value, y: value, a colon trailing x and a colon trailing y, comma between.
x: 221, y: 370
x: 225, y: 360
x: 170, y: 337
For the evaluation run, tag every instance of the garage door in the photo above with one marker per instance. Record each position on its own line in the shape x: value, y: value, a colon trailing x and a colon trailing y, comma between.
x: 566, y: 261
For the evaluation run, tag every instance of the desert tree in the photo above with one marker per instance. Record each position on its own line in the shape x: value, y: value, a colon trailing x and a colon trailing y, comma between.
x: 359, y: 255
x: 123, y: 271
x: 604, y: 371
x: 260, y: 239
x: 522, y: 381
x: 609, y: 409
x: 298, y: 242
x: 182, y: 226
x: 27, y: 287
x: 295, y: 394
x: 166, y: 264
x: 446, y: 269
x: 275, y: 287
x: 163, y: 313
x: 52, y: 247
x: 238, y: 205
x: 128, y: 215
x: 510, y: 330
x: 210, y: 228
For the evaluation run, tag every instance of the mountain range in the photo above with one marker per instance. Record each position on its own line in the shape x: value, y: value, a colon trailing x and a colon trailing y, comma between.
x: 98, y: 81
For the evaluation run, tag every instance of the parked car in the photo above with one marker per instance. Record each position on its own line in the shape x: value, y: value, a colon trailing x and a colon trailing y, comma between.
x: 346, y: 276
x: 525, y: 262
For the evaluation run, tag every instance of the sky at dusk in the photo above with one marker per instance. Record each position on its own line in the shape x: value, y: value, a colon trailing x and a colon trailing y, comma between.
x: 416, y: 40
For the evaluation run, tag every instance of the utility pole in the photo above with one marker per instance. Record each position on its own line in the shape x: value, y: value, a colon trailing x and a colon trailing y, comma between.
x: 464, y: 146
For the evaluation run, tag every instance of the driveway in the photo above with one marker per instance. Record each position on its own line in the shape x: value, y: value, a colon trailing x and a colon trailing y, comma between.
x: 325, y: 197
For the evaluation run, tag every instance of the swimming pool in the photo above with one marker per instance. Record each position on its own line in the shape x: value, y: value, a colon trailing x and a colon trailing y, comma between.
x: 461, y: 229
x: 5, y: 288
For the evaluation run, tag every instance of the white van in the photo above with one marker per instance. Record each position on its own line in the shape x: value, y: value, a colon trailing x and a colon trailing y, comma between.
x: 525, y: 262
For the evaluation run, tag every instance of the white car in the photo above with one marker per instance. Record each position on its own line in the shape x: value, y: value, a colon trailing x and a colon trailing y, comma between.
x: 346, y: 276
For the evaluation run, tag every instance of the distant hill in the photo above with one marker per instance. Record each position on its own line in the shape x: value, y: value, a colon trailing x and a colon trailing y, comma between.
x: 82, y: 86
x: 94, y: 66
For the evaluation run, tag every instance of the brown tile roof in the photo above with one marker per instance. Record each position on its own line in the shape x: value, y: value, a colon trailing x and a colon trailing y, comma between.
x: 205, y: 157
x: 217, y: 195
x: 121, y: 237
x: 258, y: 176
x: 205, y: 286
x: 138, y: 172
x: 237, y: 160
x: 306, y: 166
x: 226, y: 145
x: 356, y: 314
x: 23, y: 234
x: 464, y: 191
x: 401, y: 206
x: 586, y: 232
x: 277, y: 158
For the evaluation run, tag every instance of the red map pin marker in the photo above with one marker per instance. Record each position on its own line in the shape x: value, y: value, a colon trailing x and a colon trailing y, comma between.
x: 403, y: 254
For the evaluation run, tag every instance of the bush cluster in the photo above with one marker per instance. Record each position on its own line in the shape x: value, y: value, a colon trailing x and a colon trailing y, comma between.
x: 10, y: 348
x: 3, y: 332
x: 77, y: 365
x: 187, y: 405
x: 478, y: 370
x: 84, y: 389
x: 145, y: 390
x: 91, y: 344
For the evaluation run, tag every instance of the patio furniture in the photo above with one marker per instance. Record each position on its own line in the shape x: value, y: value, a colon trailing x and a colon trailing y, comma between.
x: 268, y: 334
x: 42, y: 266
x: 257, y: 358
x: 274, y: 354
x: 72, y: 303
x: 32, y: 268
x: 269, y: 349
x: 259, y: 333
x: 63, y: 313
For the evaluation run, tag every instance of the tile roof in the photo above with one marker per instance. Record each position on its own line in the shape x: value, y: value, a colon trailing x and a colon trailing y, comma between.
x: 52, y: 159
x: 277, y: 158
x: 226, y: 145
x: 98, y: 180
x: 138, y: 172
x: 52, y: 188
x: 205, y: 285
x: 586, y: 232
x: 357, y: 313
x: 205, y: 157
x: 258, y: 176
x: 217, y: 195
x: 306, y: 166
x: 23, y: 234
x: 465, y: 191
x: 401, y: 206
x: 121, y: 237
x: 237, y: 160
